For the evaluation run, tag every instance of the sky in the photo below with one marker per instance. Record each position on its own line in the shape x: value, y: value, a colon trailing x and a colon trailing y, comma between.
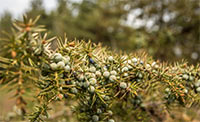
x: 17, y: 7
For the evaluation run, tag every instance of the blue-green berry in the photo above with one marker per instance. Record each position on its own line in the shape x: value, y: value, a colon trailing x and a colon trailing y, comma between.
x: 53, y: 66
x: 197, y: 84
x: 110, y: 113
x: 110, y: 58
x: 112, y: 78
x: 185, y: 91
x: 66, y: 59
x: 95, y: 118
x: 113, y: 72
x: 98, y: 73
x: 185, y: 77
x: 191, y: 78
x: 198, y: 89
x: 125, y: 69
x: 74, y: 90
x: 129, y: 61
x: 156, y: 66
x: 167, y: 90
x: 91, y: 89
x: 129, y: 66
x: 153, y: 64
x: 99, y: 111
x: 106, y: 74
x: 140, y: 75
x: 61, y: 64
x: 125, y: 74
x: 123, y: 85
x: 111, y: 120
x: 67, y: 68
x: 86, y: 84
x: 93, y: 81
x: 81, y: 77
x: 58, y: 57
x: 134, y: 60
x: 106, y: 98
x: 148, y: 66
x: 92, y: 69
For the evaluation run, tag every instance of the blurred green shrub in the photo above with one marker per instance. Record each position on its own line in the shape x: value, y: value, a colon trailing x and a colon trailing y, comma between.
x: 97, y: 84
x: 167, y: 29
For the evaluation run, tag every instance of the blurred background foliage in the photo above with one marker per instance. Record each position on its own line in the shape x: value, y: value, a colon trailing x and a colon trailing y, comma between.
x: 168, y: 30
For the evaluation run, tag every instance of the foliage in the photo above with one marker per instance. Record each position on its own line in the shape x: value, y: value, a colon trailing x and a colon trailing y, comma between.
x: 99, y: 84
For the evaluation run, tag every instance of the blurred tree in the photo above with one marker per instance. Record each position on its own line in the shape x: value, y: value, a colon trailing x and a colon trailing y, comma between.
x: 37, y: 8
x: 5, y: 22
x: 172, y: 27
x: 167, y: 29
x: 64, y: 20
x: 102, y: 21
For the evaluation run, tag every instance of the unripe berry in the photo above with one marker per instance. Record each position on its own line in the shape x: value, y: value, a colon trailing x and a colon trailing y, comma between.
x: 185, y: 77
x: 140, y: 75
x: 191, y: 78
x: 113, y: 72
x: 112, y: 78
x: 81, y: 77
x: 91, y: 89
x: 98, y: 73
x: 110, y: 58
x: 167, y: 90
x: 58, y: 57
x: 185, y: 91
x: 125, y: 69
x: 95, y: 118
x: 66, y: 59
x: 123, y: 85
x: 106, y: 74
x: 86, y: 84
x: 134, y: 60
x: 99, y: 111
x: 129, y: 66
x: 92, y: 75
x: 197, y: 84
x: 129, y: 61
x: 92, y: 69
x: 198, y: 89
x: 111, y: 120
x: 93, y: 81
x: 105, y: 68
x: 106, y: 98
x: 148, y: 66
x: 74, y: 90
x: 153, y: 64
x: 125, y: 74
x: 110, y: 113
x: 67, y: 68
x: 60, y: 88
x: 61, y: 64
x: 53, y: 66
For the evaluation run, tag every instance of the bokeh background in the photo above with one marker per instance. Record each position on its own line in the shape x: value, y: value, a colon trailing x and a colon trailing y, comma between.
x: 168, y: 30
